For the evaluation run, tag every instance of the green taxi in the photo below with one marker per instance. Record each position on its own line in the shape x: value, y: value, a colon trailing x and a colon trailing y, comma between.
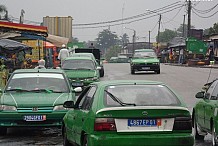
x: 33, y: 98
x: 144, y: 60
x: 81, y: 71
x: 127, y: 113
x: 205, y: 113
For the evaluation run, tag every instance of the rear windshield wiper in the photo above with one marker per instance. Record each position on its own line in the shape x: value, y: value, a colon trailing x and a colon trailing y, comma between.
x: 118, y: 100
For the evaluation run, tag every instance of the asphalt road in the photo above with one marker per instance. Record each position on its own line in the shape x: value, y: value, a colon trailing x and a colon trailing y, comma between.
x: 186, y: 81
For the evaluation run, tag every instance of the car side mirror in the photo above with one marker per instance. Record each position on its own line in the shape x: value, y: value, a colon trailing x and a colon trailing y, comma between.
x: 98, y: 68
x: 200, y: 95
x: 68, y: 104
x: 77, y: 89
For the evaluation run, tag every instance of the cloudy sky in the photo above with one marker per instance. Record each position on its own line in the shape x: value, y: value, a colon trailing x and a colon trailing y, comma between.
x: 98, y: 11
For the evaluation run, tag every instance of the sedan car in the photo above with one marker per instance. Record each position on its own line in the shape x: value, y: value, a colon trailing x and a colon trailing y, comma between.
x: 34, y: 97
x: 205, y: 112
x: 81, y: 71
x: 127, y: 113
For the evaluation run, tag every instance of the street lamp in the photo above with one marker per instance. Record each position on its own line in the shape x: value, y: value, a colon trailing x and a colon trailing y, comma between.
x: 133, y: 38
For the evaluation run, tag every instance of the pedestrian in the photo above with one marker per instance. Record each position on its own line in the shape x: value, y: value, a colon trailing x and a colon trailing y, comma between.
x: 20, y: 57
x: 174, y: 55
x: 64, y: 53
x: 211, y: 53
x: 41, y: 64
x: 181, y: 56
x: 92, y: 46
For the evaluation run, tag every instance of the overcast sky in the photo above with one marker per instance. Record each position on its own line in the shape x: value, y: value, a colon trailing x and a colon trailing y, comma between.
x: 91, y: 11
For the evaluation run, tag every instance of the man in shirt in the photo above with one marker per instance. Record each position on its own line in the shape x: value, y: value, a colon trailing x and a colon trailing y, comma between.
x: 64, y: 53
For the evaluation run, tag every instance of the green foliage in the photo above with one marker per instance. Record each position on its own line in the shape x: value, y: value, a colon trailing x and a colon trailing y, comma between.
x: 75, y: 40
x: 106, y: 39
x: 214, y: 29
x: 112, y: 52
x: 125, y: 39
x: 167, y: 35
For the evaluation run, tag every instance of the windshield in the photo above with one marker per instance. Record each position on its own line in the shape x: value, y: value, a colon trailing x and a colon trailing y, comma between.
x: 141, y: 95
x: 78, y: 64
x: 38, y: 82
x: 144, y: 54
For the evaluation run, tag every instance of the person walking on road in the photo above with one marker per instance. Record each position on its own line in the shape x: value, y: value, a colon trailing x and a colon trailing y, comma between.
x: 64, y: 53
x: 181, y: 56
x: 41, y: 64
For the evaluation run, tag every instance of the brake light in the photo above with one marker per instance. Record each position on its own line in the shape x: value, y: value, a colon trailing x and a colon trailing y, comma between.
x: 182, y: 123
x: 104, y: 124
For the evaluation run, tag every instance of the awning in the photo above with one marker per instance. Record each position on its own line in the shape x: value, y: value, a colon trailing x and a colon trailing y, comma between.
x: 177, y: 42
x: 57, y: 40
x: 11, y: 46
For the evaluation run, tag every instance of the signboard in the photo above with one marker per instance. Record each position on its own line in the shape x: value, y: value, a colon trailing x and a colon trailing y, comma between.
x: 196, y: 46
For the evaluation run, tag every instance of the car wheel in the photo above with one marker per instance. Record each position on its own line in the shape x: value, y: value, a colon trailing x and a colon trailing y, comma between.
x: 132, y: 71
x: 85, y: 141
x: 214, y: 136
x: 101, y: 72
x: 196, y: 130
x: 3, y: 130
x: 158, y: 71
x: 65, y: 140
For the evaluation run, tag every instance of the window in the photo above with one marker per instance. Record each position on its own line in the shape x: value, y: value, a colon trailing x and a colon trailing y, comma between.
x: 88, y: 98
x: 215, y: 92
x: 210, y: 90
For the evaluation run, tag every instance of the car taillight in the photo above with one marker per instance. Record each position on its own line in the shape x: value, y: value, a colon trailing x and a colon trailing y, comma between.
x: 182, y: 123
x: 104, y: 124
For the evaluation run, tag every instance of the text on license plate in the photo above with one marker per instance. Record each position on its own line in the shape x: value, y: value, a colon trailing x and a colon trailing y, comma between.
x: 144, y: 122
x: 35, y: 118
x: 145, y: 67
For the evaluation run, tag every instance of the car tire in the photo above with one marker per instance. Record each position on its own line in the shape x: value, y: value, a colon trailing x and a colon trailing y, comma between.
x: 85, y: 141
x: 158, y: 71
x: 3, y: 130
x: 132, y: 71
x: 65, y: 140
x: 102, y: 72
x: 196, y: 131
x: 214, y: 136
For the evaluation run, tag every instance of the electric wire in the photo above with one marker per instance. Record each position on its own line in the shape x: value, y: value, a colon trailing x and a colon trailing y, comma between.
x: 205, y: 11
x: 205, y: 16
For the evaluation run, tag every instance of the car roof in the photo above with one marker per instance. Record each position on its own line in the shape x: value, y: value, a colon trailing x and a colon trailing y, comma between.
x: 38, y: 70
x: 78, y: 58
x: 83, y: 54
x: 126, y: 82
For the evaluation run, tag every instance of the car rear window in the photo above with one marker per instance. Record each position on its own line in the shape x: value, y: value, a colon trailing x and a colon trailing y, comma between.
x: 141, y: 95
x: 78, y: 64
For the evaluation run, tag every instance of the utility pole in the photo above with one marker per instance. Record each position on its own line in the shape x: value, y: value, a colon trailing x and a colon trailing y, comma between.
x: 158, y: 35
x: 133, y: 41
x: 149, y: 39
x: 189, y: 18
x: 183, y: 27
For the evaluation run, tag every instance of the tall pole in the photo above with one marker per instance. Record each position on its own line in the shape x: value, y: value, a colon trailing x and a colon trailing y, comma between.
x: 183, y: 27
x: 189, y: 18
x: 133, y: 40
x: 158, y: 35
x: 149, y: 39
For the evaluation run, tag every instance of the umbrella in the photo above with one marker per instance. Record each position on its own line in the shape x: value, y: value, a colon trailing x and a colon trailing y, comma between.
x: 10, y: 46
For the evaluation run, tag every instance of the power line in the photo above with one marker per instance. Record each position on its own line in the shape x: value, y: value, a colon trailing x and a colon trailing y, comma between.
x: 169, y: 10
x: 132, y: 17
x: 205, y: 16
x: 205, y: 11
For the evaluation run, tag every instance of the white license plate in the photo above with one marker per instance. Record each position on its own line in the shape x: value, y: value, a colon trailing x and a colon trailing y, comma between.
x: 145, y: 68
x: 144, y: 122
x: 34, y: 118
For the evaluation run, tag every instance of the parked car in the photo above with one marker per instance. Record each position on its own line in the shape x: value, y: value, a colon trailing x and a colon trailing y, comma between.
x: 127, y: 113
x: 144, y: 60
x: 123, y: 59
x: 113, y: 60
x: 81, y: 71
x: 205, y: 115
x: 34, y: 98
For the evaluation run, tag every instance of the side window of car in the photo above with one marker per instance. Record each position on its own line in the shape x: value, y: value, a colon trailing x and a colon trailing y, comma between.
x: 81, y: 97
x: 88, y: 99
x: 215, y: 92
x: 210, y: 90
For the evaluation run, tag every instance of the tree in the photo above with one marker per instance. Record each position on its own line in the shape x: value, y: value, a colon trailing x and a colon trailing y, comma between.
x: 124, y: 39
x: 112, y: 52
x: 3, y: 12
x: 106, y: 39
x: 180, y: 30
x: 167, y: 35
x: 75, y: 40
x: 214, y: 29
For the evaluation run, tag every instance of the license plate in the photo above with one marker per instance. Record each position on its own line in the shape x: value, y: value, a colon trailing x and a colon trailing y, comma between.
x: 35, y: 118
x: 144, y: 122
x: 77, y: 84
x: 145, y: 68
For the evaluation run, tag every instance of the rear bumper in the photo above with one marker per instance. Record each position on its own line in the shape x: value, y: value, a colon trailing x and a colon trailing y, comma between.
x: 142, y: 140
x: 53, y: 119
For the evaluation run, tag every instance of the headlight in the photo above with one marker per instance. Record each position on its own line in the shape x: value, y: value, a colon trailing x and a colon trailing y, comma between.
x: 59, y: 108
x: 7, y: 108
x: 92, y: 79
x: 157, y: 63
